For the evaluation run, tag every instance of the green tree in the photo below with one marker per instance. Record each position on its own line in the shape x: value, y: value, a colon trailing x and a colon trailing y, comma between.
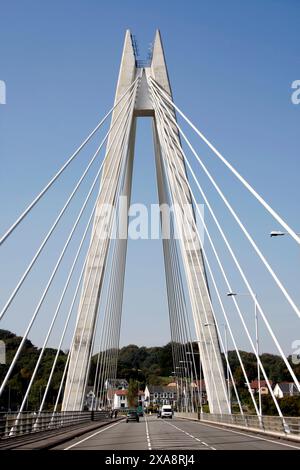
x: 132, y: 394
x: 143, y: 365
x: 290, y: 406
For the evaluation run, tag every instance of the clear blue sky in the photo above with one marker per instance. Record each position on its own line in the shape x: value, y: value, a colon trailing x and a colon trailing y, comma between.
x: 231, y: 66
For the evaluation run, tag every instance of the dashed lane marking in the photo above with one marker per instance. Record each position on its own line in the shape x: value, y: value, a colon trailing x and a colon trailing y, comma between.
x: 147, y: 435
x: 190, y: 435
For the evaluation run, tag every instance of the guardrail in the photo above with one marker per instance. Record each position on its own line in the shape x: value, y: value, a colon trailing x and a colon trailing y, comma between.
x: 17, y: 424
x: 275, y: 425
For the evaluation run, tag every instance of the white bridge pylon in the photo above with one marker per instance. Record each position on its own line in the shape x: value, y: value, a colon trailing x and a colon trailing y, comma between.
x: 116, y: 180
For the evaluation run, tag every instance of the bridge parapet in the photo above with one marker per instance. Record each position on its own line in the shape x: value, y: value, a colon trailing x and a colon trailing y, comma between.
x: 287, y: 427
x: 18, y: 424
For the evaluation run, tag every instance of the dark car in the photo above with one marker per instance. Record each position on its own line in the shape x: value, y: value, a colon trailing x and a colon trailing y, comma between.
x: 132, y: 415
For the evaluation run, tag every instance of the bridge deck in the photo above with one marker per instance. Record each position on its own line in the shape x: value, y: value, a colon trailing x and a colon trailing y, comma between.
x: 172, y: 434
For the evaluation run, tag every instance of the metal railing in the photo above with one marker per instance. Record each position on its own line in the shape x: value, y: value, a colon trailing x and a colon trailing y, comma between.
x: 17, y: 424
x: 286, y: 426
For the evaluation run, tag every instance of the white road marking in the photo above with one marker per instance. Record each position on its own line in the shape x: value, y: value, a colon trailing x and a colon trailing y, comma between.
x: 147, y: 435
x: 249, y: 435
x: 190, y: 435
x: 92, y: 435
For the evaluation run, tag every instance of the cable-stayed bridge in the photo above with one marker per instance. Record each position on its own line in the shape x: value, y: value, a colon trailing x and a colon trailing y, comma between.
x: 88, y: 308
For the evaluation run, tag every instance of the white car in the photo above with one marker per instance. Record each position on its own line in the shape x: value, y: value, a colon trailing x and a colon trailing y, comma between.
x: 166, y: 411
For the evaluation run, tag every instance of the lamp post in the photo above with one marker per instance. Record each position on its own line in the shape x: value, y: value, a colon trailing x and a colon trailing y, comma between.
x: 233, y: 294
x: 278, y: 233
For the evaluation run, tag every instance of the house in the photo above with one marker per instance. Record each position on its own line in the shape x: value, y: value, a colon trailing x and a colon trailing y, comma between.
x: 141, y: 399
x: 264, y: 390
x: 158, y: 395
x: 120, y: 399
x: 172, y: 384
x: 285, y: 389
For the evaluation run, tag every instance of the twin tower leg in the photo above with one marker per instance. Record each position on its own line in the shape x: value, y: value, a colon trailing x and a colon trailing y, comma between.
x: 203, y: 316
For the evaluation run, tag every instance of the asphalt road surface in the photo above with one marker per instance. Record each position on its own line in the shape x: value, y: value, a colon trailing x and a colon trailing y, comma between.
x: 152, y: 433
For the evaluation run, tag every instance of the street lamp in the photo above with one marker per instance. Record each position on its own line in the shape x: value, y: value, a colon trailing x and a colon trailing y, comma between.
x: 233, y: 294
x: 278, y: 233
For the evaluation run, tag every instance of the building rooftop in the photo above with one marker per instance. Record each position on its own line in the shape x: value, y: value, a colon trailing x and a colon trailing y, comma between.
x: 287, y: 387
x: 263, y: 383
